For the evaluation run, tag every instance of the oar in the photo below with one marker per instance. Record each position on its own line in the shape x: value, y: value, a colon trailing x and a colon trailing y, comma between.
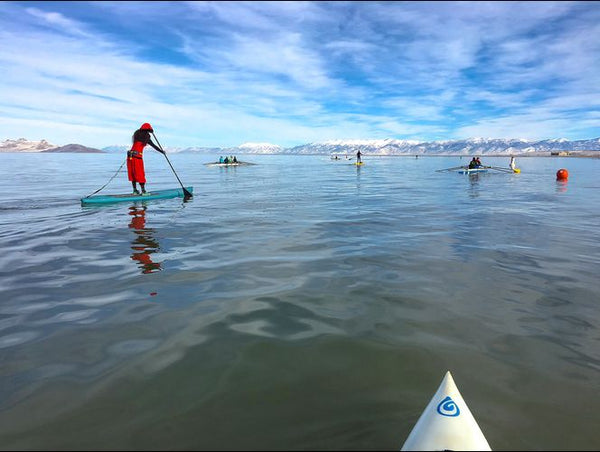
x: 506, y: 170
x: 186, y: 193
x: 509, y: 170
x: 450, y: 169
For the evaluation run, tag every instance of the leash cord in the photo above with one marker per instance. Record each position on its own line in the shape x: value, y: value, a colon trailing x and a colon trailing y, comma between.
x: 109, y: 181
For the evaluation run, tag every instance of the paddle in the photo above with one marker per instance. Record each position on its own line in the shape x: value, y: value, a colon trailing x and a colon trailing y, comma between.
x: 450, y: 169
x: 506, y: 170
x: 186, y: 193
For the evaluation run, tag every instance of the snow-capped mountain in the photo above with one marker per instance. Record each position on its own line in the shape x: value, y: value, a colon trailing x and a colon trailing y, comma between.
x: 259, y: 148
x: 471, y: 146
x: 24, y: 145
x: 375, y: 147
x: 481, y: 146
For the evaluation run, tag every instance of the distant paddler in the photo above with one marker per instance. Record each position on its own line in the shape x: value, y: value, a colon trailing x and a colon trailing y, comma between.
x: 513, y: 165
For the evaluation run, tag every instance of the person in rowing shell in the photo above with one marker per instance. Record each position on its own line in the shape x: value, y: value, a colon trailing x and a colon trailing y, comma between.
x: 474, y: 163
x: 135, y: 161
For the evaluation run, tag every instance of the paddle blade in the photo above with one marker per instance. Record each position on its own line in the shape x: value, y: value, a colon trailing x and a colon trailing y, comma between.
x: 450, y: 169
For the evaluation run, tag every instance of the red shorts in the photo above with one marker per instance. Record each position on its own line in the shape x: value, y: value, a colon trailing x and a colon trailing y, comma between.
x: 135, y: 170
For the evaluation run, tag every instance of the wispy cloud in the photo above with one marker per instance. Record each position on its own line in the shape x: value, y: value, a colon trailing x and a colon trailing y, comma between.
x: 58, y: 22
x: 222, y: 73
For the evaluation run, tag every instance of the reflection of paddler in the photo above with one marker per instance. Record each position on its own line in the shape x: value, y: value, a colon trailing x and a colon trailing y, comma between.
x: 144, y: 244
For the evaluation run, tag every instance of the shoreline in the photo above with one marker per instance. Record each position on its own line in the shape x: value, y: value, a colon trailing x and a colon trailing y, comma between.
x: 574, y: 154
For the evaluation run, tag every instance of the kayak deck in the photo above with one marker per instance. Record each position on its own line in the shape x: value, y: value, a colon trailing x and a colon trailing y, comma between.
x: 446, y: 423
x: 161, y: 194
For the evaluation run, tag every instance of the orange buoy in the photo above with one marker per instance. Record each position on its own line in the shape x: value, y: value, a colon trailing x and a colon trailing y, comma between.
x: 562, y: 174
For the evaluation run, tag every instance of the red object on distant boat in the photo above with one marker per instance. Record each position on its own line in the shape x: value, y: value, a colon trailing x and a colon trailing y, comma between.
x: 562, y: 174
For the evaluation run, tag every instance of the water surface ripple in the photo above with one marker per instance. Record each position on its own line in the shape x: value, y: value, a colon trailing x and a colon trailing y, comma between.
x: 299, y: 303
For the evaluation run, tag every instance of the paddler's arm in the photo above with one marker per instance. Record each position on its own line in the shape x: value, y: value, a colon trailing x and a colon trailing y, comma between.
x: 151, y: 143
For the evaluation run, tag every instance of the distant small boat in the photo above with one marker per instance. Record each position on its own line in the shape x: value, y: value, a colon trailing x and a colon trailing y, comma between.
x: 229, y: 164
x: 161, y: 194
x: 479, y: 169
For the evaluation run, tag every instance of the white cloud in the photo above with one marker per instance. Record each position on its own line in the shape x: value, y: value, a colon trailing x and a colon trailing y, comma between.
x: 284, y: 56
x: 59, y: 22
x: 223, y: 73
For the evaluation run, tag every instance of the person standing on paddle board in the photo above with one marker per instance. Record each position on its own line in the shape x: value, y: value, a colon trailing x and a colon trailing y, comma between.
x: 358, y: 159
x: 135, y: 161
x: 512, y: 165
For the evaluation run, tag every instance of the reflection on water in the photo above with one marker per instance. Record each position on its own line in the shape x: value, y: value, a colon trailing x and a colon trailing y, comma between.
x: 561, y: 186
x: 144, y: 244
x: 474, y: 181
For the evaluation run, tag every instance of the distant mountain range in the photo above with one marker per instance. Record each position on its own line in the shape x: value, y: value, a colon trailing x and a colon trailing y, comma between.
x: 471, y: 146
x: 74, y: 148
x: 24, y: 145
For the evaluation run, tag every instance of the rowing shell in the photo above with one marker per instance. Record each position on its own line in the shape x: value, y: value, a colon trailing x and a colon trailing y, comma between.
x: 473, y: 170
x: 228, y: 164
x: 162, y: 194
x: 446, y: 423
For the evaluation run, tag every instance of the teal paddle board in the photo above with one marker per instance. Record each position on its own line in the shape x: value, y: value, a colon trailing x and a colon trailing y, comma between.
x: 161, y: 194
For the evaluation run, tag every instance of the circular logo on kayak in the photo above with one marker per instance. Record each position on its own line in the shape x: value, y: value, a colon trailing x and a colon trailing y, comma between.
x: 447, y: 407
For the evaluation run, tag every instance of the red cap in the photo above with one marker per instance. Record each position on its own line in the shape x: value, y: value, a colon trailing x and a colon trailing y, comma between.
x: 147, y: 126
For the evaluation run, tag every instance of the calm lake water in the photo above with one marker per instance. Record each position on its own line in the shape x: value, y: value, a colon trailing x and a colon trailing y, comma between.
x: 297, y: 304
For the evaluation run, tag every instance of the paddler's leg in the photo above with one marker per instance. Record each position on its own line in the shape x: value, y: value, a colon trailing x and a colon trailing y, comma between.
x: 140, y: 174
x: 135, y: 190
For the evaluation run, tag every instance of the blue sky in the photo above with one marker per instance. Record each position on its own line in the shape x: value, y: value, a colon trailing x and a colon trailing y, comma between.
x: 288, y: 73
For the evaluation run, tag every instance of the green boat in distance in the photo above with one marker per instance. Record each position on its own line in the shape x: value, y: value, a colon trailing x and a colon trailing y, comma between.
x: 161, y: 194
